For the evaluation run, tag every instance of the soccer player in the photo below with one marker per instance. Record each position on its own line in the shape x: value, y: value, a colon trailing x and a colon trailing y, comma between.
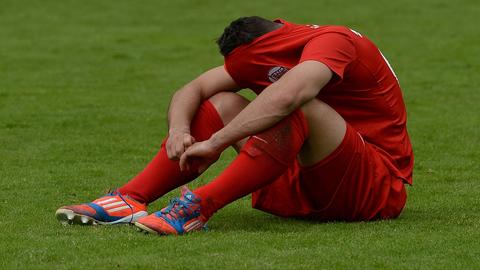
x: 325, y: 138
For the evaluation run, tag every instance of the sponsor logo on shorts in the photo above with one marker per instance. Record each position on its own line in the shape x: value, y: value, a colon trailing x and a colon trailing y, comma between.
x: 276, y: 73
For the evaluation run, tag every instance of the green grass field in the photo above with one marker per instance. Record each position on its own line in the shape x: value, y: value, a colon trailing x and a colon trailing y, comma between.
x: 84, y: 88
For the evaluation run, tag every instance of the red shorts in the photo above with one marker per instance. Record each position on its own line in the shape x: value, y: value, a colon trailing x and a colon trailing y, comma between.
x: 357, y: 181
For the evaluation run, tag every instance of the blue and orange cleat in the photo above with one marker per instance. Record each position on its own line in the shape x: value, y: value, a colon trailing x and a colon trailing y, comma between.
x: 181, y: 216
x: 113, y: 208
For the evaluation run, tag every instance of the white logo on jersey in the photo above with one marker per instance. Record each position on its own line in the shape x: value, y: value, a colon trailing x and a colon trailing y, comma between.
x: 313, y: 26
x: 276, y: 73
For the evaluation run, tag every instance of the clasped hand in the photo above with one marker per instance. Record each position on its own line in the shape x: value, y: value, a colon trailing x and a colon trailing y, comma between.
x: 191, y: 154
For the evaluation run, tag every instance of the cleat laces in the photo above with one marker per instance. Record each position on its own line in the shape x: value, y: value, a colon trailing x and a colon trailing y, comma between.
x: 177, y: 209
x: 114, y: 192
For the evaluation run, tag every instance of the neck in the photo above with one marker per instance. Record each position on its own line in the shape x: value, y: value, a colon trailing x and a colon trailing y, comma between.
x: 277, y: 25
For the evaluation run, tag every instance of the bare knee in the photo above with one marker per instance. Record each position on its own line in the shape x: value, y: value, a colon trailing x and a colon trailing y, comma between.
x: 228, y: 105
x: 326, y: 131
x: 317, y: 109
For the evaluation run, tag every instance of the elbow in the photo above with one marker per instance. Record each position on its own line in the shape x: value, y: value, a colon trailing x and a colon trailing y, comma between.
x: 296, y: 99
x: 287, y: 103
x: 192, y: 88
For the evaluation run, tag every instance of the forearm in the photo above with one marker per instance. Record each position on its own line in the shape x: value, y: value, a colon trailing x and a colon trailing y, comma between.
x: 186, y: 101
x: 278, y: 100
x: 183, y: 107
x: 262, y: 113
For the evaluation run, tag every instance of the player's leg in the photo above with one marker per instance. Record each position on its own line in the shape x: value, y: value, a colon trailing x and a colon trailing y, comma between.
x: 326, y: 130
x: 161, y: 175
x: 352, y: 182
x: 310, y: 134
x: 263, y: 159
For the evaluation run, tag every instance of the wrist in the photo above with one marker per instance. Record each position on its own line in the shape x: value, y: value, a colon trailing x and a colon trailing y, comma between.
x: 183, y: 129
x: 218, y: 141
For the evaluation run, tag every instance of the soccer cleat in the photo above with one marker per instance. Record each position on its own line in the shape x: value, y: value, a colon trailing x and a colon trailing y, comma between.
x: 181, y: 216
x: 113, y: 208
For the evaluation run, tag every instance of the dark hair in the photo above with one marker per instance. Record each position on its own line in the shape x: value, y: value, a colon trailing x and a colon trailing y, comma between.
x: 243, y: 30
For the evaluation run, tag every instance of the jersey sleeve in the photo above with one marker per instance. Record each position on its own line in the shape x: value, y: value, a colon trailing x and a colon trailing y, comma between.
x: 335, y: 50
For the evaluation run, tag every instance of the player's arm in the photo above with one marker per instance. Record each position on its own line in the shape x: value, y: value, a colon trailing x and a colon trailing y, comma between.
x: 185, y: 103
x: 298, y: 86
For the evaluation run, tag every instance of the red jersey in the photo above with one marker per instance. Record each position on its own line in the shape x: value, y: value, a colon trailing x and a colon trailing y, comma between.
x: 363, y: 90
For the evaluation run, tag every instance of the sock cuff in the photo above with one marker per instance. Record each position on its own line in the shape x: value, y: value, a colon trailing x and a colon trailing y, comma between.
x: 206, y: 121
x: 282, y: 141
x: 302, y: 122
x: 212, y: 114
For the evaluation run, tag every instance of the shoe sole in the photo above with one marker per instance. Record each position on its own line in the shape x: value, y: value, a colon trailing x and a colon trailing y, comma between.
x: 145, y: 229
x: 69, y: 217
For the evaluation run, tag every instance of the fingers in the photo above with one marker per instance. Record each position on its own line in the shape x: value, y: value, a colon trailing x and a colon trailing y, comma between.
x: 177, y: 144
x: 199, y: 155
x: 179, y: 149
x: 169, y: 147
x: 203, y: 168
x: 184, y: 162
x: 174, y: 150
x: 187, y: 158
x: 187, y: 141
x: 193, y: 152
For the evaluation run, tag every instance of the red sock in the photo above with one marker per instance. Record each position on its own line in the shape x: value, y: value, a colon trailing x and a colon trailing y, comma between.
x: 162, y: 174
x: 263, y: 158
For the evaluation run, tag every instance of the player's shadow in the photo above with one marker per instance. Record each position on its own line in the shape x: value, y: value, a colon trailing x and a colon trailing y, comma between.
x: 257, y: 221
x: 251, y: 220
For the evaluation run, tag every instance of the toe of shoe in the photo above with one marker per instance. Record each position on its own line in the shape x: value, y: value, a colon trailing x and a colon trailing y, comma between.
x: 155, y: 225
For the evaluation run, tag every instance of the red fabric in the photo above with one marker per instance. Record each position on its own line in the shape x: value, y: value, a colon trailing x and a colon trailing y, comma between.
x: 364, y: 89
x: 262, y: 159
x: 353, y: 183
x: 162, y: 174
